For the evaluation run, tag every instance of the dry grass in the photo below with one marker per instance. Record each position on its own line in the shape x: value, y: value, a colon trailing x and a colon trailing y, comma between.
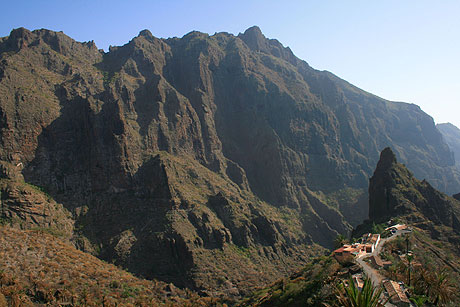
x: 37, y: 268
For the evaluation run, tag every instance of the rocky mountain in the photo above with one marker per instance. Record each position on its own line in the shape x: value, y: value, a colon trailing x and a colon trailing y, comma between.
x: 394, y: 191
x: 452, y: 136
x: 196, y: 160
x: 434, y: 218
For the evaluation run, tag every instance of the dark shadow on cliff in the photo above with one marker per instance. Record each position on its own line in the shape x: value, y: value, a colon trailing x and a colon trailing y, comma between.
x: 79, y: 162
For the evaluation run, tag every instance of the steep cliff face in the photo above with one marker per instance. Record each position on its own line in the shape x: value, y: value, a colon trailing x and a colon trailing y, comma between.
x: 394, y: 191
x: 198, y: 160
x: 452, y: 136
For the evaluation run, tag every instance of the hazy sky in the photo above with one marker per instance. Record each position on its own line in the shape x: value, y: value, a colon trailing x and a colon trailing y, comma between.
x: 399, y: 50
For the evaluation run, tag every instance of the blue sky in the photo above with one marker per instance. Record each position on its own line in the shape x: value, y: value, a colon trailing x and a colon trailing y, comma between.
x: 399, y: 50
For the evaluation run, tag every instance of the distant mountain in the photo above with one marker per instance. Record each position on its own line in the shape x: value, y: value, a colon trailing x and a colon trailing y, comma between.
x: 196, y: 160
x: 452, y: 136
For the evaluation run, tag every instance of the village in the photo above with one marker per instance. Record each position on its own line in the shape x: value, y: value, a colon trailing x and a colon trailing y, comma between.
x: 365, y: 255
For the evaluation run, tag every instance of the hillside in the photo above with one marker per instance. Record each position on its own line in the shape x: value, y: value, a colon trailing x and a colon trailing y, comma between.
x: 36, y: 268
x: 394, y: 191
x: 314, y: 285
x: 431, y: 241
x: 452, y: 136
x: 196, y: 160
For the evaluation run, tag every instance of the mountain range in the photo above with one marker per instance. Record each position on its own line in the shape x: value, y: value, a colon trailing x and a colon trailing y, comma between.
x: 197, y: 160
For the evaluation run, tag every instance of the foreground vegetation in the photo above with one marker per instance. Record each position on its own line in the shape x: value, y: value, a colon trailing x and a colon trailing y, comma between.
x: 368, y: 296
x: 313, y: 285
x: 430, y: 269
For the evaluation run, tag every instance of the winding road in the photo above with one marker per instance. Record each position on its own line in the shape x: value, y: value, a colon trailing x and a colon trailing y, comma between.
x: 368, y: 270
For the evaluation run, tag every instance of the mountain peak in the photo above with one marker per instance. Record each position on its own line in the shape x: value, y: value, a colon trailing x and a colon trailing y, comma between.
x: 387, y: 159
x: 388, y: 155
x: 19, y: 38
x: 255, y: 40
x: 254, y: 31
x: 381, y: 184
x: 146, y: 33
x: 20, y: 32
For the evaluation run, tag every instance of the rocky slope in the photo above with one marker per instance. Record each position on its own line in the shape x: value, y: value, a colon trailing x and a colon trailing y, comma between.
x: 36, y: 269
x: 196, y: 160
x: 394, y: 191
x: 452, y: 136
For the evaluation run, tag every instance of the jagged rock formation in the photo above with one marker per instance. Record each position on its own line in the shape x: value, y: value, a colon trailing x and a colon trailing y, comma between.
x: 200, y: 160
x: 452, y: 136
x: 394, y: 191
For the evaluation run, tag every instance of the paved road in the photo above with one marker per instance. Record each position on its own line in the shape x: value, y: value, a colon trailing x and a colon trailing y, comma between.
x: 372, y: 273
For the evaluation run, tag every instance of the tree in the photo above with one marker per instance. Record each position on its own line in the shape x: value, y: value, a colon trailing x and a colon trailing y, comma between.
x: 435, y: 285
x: 369, y: 296
x: 409, y: 257
x: 442, y: 289
x: 419, y: 300
x: 422, y: 280
x: 377, y: 228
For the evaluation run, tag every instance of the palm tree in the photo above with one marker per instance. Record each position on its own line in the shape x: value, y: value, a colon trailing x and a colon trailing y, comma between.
x: 419, y: 300
x: 442, y: 289
x: 409, y: 258
x: 422, y: 281
x: 369, y: 296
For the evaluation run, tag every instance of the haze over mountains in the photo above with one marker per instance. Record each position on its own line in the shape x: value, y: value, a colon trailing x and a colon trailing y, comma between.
x: 452, y: 136
x: 196, y: 160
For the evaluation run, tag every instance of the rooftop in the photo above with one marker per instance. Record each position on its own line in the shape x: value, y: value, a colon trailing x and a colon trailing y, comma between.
x: 397, y: 227
x: 395, y: 292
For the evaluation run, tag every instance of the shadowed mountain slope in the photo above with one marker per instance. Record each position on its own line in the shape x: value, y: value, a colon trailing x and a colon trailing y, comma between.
x: 393, y: 191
